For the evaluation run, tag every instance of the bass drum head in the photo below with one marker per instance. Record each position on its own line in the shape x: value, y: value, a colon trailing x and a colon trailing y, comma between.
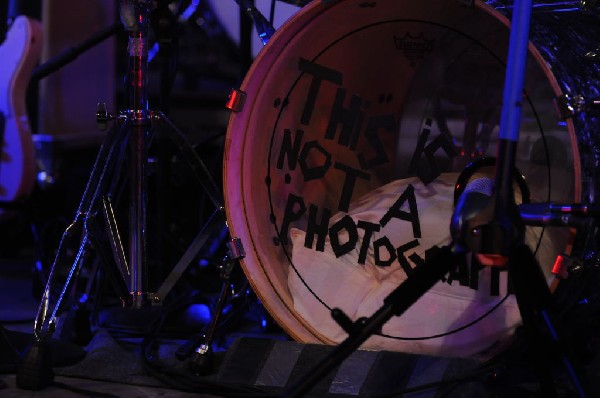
x: 340, y: 168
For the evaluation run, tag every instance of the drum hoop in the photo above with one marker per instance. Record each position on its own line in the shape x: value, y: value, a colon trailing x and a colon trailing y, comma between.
x: 266, y: 57
x: 298, y: 329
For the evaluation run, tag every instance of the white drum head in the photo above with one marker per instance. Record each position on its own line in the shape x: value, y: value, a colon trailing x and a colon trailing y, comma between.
x: 340, y: 168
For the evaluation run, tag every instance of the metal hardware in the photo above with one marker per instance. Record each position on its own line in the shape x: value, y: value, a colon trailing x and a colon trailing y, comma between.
x: 236, y: 100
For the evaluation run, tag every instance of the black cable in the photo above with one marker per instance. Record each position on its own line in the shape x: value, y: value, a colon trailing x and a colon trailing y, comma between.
x: 188, y: 382
x: 184, y: 380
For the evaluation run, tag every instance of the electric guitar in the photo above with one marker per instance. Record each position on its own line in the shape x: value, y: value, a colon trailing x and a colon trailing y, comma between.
x: 19, y: 54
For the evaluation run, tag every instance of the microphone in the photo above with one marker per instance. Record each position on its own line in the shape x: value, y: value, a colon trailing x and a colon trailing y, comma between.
x: 478, y: 192
x: 471, y: 202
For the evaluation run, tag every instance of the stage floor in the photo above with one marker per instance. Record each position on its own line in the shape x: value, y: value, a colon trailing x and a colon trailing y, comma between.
x: 112, y: 365
x: 248, y: 361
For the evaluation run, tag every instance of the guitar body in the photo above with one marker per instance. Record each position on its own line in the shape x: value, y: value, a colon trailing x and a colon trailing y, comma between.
x: 19, y: 54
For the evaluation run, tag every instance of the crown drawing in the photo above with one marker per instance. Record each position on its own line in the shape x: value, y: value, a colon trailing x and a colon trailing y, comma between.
x: 414, y: 47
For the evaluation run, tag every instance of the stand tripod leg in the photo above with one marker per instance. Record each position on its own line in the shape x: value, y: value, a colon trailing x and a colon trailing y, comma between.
x: 214, y: 225
x: 96, y: 183
x: 95, y: 234
x: 35, y: 373
x: 197, y: 165
x: 536, y: 307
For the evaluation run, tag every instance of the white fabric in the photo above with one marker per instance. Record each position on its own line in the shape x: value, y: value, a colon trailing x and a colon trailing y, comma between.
x: 359, y: 290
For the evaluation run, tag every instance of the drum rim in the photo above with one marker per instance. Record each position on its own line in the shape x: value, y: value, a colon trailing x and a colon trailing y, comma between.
x: 282, y: 310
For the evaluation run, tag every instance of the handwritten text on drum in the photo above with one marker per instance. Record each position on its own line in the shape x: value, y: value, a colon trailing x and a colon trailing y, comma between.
x: 315, y: 162
x: 346, y: 226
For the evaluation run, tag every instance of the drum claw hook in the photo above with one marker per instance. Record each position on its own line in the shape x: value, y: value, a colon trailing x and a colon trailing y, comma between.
x: 349, y: 326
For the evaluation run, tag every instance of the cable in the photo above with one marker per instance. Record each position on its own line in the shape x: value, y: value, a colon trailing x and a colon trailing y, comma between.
x: 180, y: 377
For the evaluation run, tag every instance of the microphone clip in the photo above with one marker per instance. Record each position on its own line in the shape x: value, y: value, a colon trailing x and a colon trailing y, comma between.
x: 485, y: 223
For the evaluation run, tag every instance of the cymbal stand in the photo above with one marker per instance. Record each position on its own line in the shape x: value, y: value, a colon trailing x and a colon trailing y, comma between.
x: 131, y: 133
x: 497, y: 232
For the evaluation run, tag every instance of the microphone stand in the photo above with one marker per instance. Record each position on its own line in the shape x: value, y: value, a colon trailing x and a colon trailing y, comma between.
x: 438, y: 262
x: 497, y: 232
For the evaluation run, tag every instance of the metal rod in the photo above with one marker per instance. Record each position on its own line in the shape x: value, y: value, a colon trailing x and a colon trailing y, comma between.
x: 135, y: 16
x: 510, y: 120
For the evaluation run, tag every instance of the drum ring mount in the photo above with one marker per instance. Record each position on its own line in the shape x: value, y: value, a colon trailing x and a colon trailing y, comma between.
x: 132, y: 129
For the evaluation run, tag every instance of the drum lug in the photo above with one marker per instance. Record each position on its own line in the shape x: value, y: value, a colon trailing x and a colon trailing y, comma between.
x: 236, y: 100
x: 236, y: 249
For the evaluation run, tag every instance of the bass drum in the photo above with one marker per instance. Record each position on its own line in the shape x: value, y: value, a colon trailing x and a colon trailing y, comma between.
x: 340, y: 167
